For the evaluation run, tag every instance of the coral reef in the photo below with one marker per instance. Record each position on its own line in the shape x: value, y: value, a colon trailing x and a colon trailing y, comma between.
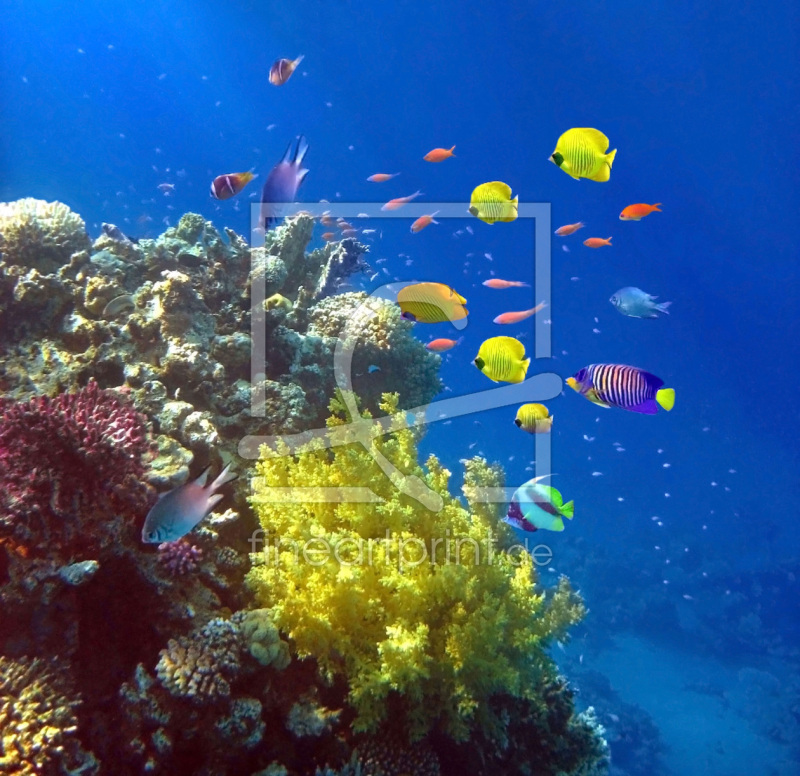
x: 67, y: 465
x: 39, y: 235
x: 444, y: 632
x: 125, y: 367
x: 179, y: 557
x: 388, y: 755
x: 181, y: 342
x: 38, y: 721
x: 371, y: 331
x: 206, y: 704
x: 199, y: 667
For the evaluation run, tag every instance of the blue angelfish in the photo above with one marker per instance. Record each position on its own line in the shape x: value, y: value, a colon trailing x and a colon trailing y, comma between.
x: 181, y: 509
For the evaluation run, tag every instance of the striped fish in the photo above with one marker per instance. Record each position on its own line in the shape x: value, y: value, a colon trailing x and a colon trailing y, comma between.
x: 431, y: 303
x: 581, y: 153
x: 502, y: 359
x: 491, y: 202
x: 626, y: 387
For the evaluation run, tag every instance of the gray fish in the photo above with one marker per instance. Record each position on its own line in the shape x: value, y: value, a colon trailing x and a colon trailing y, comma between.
x: 115, y: 233
x: 181, y: 509
x: 636, y: 303
x: 117, y: 305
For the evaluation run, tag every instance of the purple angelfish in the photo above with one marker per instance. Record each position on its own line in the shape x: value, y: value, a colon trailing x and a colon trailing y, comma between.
x: 280, y: 188
x: 181, y: 509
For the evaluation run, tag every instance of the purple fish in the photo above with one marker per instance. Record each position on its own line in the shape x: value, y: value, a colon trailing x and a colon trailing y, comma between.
x: 280, y: 188
x: 182, y: 508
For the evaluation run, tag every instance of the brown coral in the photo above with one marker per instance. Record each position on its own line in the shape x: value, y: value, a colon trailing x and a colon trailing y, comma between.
x: 199, y: 666
x: 41, y: 235
x: 38, y: 725
x: 390, y: 756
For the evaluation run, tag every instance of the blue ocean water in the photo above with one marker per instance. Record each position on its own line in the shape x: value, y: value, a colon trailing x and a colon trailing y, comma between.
x: 684, y: 541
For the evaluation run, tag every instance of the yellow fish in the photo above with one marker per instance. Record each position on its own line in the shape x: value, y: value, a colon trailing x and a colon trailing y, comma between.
x: 502, y: 359
x: 534, y: 418
x: 431, y: 303
x: 492, y: 202
x: 581, y: 153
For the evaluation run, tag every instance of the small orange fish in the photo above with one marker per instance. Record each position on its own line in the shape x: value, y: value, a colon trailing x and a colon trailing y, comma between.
x: 597, y: 242
x: 394, y: 204
x: 519, y: 316
x: 227, y: 186
x: 422, y: 222
x: 343, y: 225
x: 565, y: 231
x: 442, y: 344
x: 497, y: 283
x: 382, y: 177
x: 328, y: 236
x: 326, y: 220
x: 282, y: 69
x: 638, y: 212
x: 439, y: 154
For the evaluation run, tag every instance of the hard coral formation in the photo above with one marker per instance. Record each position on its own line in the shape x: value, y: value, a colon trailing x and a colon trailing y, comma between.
x: 182, y: 331
x: 198, y: 667
x: 179, y: 557
x: 389, y: 755
x: 39, y: 235
x: 68, y: 465
x: 442, y: 632
x: 371, y: 333
x: 38, y: 722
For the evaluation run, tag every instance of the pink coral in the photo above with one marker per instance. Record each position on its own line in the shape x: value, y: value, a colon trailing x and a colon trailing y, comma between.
x: 179, y: 557
x: 68, y: 464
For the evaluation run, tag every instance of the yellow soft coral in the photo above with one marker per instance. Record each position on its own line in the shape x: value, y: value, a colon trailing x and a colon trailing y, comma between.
x: 396, y: 598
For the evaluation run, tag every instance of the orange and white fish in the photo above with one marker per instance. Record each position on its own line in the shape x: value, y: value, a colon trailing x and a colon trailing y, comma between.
x: 439, y: 154
x: 282, y: 69
x: 568, y: 229
x: 227, y: 186
x: 597, y: 242
x: 442, y: 344
x: 382, y: 177
x: 422, y: 222
x: 516, y: 317
x: 394, y: 204
x: 638, y: 212
x: 497, y: 283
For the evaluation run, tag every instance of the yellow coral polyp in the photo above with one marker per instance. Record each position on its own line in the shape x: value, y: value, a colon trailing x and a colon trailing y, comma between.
x: 405, y: 600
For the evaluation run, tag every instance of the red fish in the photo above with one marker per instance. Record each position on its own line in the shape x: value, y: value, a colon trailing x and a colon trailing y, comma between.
x: 442, y: 344
x: 568, y: 229
x: 516, y: 317
x: 282, y: 69
x: 638, y: 212
x: 227, y: 186
x: 497, y: 283
x: 394, y: 204
x: 382, y: 177
x: 597, y: 242
x: 439, y: 154
x: 422, y: 222
x: 328, y: 236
